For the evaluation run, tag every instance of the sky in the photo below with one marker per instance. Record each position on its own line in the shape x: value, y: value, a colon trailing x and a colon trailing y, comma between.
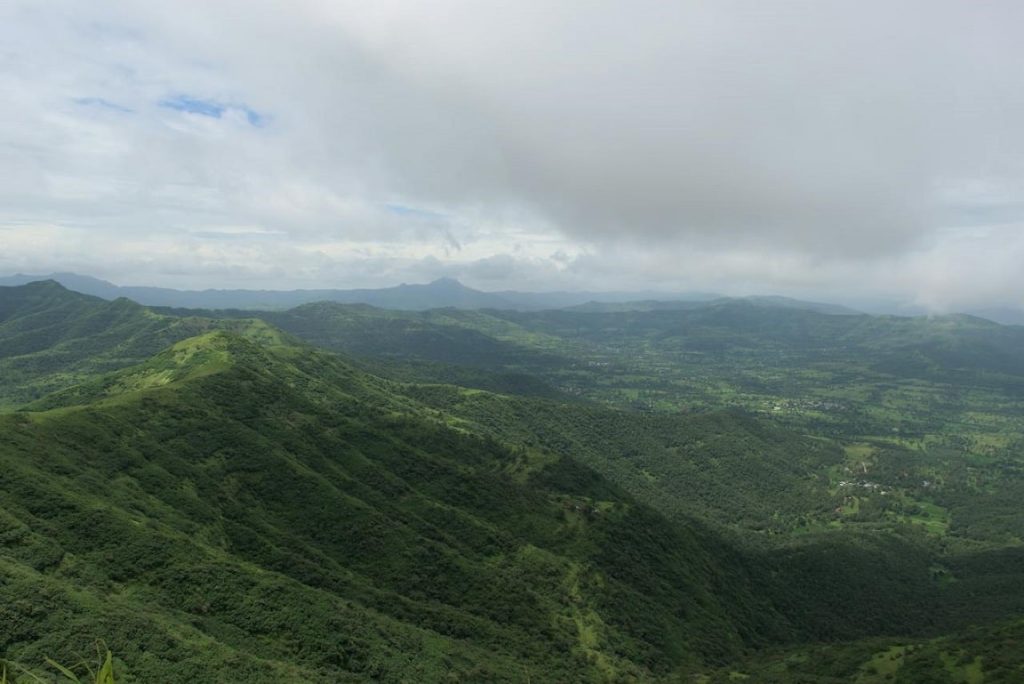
x: 841, y: 150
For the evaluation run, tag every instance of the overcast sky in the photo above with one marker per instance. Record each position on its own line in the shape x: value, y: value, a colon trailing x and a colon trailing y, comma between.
x: 829, y: 148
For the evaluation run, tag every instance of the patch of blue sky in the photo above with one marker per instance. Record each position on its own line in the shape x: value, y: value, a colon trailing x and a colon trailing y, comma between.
x: 253, y: 117
x: 412, y: 212
x: 192, y: 105
x: 211, y: 108
x: 102, y: 103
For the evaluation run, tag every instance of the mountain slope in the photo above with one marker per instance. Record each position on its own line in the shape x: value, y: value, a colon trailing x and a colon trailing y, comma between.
x: 468, y: 348
x: 993, y: 654
x: 931, y: 407
x: 240, y: 505
x: 725, y: 467
x: 930, y: 345
x: 51, y: 337
x: 234, y: 512
x: 440, y: 293
x: 690, y: 304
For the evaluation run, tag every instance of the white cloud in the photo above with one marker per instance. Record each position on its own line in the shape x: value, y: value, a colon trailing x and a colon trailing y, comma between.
x: 794, y: 146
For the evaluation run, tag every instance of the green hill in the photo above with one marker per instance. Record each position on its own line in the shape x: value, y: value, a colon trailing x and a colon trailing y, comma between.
x: 236, y: 512
x: 51, y: 338
x: 218, y: 501
x: 467, y: 348
x: 993, y: 654
x: 727, y: 467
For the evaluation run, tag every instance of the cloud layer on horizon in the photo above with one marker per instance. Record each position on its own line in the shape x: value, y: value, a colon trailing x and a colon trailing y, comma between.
x: 797, y: 147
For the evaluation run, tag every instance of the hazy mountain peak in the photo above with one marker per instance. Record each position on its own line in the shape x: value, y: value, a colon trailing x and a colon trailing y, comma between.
x: 447, y: 282
x: 448, y: 292
x: 48, y: 284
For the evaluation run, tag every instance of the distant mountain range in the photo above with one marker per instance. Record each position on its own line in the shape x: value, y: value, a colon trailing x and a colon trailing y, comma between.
x: 450, y: 293
x: 679, y: 304
x: 441, y: 293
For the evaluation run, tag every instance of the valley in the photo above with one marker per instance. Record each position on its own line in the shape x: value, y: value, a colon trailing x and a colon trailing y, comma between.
x: 335, y: 492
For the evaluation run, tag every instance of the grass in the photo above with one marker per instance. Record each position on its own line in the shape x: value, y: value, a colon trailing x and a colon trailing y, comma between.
x: 882, y: 666
x: 86, y: 674
x: 934, y: 519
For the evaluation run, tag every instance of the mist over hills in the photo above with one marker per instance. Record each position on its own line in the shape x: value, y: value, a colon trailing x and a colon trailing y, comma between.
x: 444, y: 292
x: 448, y: 292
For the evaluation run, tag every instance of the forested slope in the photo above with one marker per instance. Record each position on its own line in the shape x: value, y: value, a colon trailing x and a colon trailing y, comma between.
x: 51, y: 337
x: 232, y: 512
x: 218, y: 501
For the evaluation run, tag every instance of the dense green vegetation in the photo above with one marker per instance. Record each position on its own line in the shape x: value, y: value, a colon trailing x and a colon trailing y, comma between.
x: 942, y: 397
x: 710, y: 493
x: 990, y: 654
x: 51, y: 338
x: 726, y: 467
x: 226, y: 504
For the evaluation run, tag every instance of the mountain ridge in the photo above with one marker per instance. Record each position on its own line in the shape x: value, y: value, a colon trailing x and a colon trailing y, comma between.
x: 449, y: 292
x: 439, y: 293
x: 344, y: 495
x: 239, y: 503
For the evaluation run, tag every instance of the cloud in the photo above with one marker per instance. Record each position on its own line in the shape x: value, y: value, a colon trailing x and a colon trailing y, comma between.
x: 104, y: 104
x: 820, y: 146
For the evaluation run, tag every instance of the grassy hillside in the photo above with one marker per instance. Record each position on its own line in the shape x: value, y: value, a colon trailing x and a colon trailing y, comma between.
x: 727, y: 467
x: 992, y: 654
x: 217, y: 501
x: 847, y: 375
x: 51, y: 338
x: 450, y: 346
x: 928, y: 410
x: 232, y: 512
x: 833, y: 574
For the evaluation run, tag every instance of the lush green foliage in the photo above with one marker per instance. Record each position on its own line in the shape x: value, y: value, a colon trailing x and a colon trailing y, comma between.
x: 992, y: 654
x: 930, y: 410
x: 51, y: 338
x: 629, y: 495
x: 226, y: 505
x: 726, y: 467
